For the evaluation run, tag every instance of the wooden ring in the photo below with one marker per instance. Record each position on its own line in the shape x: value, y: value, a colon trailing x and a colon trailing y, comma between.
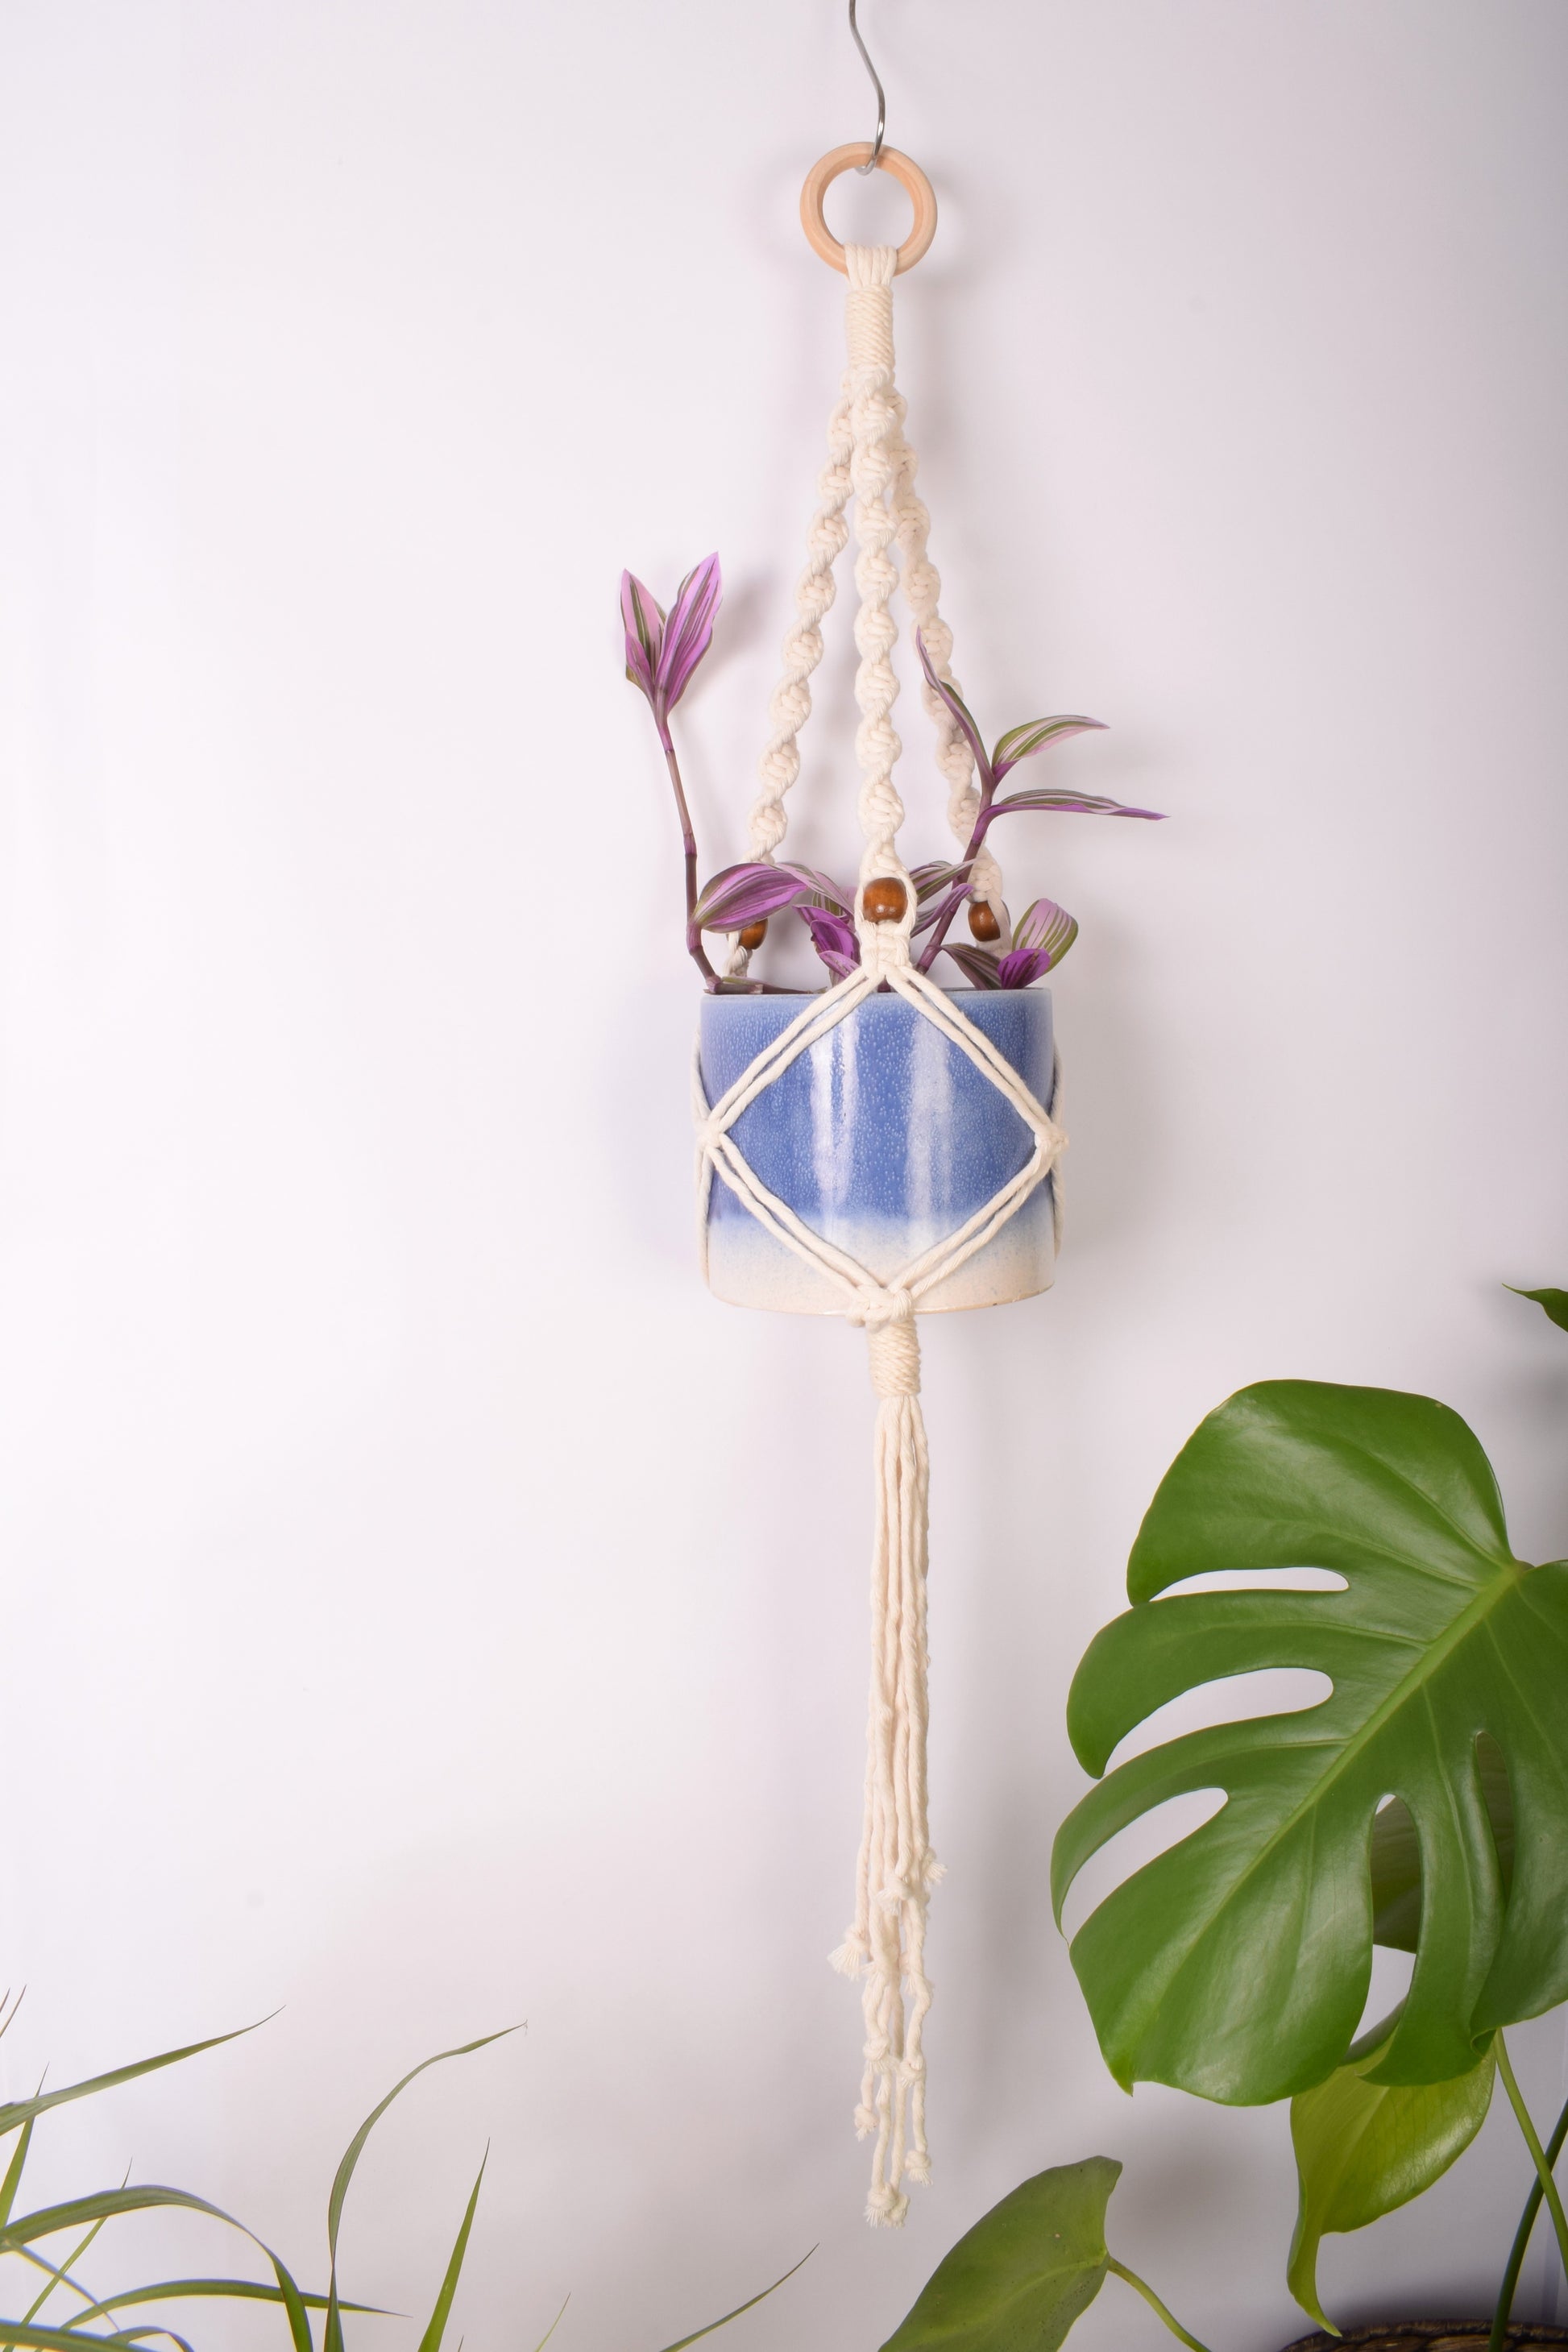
x: 910, y: 176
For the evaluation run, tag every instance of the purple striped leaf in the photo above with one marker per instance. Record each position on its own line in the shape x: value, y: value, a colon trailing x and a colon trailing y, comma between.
x: 688, y: 632
x: 746, y: 894
x: 821, y: 889
x: 942, y: 910
x: 936, y: 875
x: 960, y: 711
x: 1023, y: 743
x: 1047, y: 926
x: 978, y: 966
x: 1041, y: 797
x: 1019, y: 966
x: 832, y: 937
x: 643, y: 621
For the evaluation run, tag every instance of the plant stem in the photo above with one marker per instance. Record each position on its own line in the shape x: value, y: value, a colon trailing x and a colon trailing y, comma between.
x: 694, y: 947
x: 1522, y: 2236
x: 1154, y: 2303
x: 1542, y: 2169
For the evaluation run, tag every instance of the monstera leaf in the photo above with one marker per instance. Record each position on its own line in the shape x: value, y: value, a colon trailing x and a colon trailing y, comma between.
x: 1236, y: 1964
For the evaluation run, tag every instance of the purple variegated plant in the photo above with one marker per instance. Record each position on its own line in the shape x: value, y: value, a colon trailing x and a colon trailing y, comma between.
x: 662, y: 654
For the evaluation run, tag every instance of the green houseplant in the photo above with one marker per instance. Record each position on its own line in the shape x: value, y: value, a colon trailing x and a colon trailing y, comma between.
x: 1422, y: 1805
x: 128, y: 2316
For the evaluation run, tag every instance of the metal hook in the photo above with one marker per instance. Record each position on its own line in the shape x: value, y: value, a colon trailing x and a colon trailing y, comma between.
x: 877, y: 86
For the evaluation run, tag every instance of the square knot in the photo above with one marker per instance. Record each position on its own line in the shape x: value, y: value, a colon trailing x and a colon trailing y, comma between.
x: 895, y: 1350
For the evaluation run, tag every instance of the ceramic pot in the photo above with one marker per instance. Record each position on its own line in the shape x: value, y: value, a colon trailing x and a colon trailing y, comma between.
x: 883, y: 1138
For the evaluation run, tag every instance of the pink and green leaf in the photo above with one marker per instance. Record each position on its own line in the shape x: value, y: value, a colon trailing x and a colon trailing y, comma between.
x: 978, y: 965
x: 747, y: 893
x: 643, y: 621
x: 821, y: 889
x: 688, y: 632
x: 1041, y: 797
x: 1047, y: 926
x: 832, y: 937
x: 1023, y: 743
x: 960, y: 711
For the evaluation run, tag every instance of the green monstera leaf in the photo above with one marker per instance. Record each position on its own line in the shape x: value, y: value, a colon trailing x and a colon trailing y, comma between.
x: 1362, y: 2147
x: 1236, y: 1964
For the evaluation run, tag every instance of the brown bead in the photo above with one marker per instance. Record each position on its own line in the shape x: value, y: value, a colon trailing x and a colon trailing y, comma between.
x: 884, y: 900
x: 982, y: 923
x: 753, y: 934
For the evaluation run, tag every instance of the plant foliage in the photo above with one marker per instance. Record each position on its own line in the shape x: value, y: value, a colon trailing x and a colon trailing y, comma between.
x: 1236, y: 1965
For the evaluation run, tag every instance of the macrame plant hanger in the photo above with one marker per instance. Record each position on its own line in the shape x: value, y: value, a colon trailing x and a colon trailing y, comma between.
x: 870, y: 474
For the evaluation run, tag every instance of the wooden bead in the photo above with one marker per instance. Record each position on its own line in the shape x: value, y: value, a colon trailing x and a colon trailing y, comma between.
x: 884, y: 900
x: 982, y: 923
x: 752, y: 934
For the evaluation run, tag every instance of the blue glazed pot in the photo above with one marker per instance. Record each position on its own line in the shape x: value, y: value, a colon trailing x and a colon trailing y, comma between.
x: 884, y: 1139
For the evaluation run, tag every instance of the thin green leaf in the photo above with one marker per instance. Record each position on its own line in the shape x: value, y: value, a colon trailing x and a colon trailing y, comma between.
x: 1555, y: 1303
x: 1018, y: 2280
x: 61, y: 2275
x: 20, y: 2111
x: 13, y: 2180
x: 233, y: 2289
x: 552, y: 2326
x: 356, y: 2148
x: 19, y: 2234
x: 431, y: 2339
x: 66, y: 2339
x: 1362, y: 2149
x: 1193, y: 1967
x: 713, y: 2325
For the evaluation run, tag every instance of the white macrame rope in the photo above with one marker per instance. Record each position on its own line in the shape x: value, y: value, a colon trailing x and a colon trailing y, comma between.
x: 922, y: 587
x: 870, y: 461
x: 885, y: 1939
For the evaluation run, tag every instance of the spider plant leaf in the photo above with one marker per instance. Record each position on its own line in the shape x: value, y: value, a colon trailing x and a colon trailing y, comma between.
x: 714, y: 2324
x: 104, y: 2205
x: 1023, y: 743
x: 553, y: 2325
x: 1236, y: 1965
x: 1555, y: 1303
x: 66, y: 2339
x: 18, y: 2111
x: 356, y: 2148
x: 1364, y: 2147
x: 431, y: 2339
x: 19, y: 2235
x: 13, y: 2180
x: 1028, y: 2270
x: 232, y: 2290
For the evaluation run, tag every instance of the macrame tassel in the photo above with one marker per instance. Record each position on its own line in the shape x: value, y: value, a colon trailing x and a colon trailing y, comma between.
x: 886, y: 1944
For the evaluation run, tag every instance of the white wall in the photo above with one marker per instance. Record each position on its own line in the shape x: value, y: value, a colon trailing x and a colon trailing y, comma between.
x: 424, y: 1608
